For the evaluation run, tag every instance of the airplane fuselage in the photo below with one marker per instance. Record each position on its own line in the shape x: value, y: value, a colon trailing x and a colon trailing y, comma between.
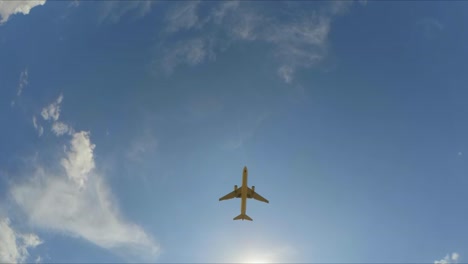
x: 244, y: 191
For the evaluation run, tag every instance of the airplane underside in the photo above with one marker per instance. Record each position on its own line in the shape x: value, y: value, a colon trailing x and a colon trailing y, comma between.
x: 244, y: 193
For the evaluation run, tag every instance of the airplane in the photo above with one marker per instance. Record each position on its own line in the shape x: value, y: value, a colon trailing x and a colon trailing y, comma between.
x: 244, y: 192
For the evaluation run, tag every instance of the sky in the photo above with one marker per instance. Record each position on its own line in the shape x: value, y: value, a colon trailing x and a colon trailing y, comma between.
x: 124, y: 122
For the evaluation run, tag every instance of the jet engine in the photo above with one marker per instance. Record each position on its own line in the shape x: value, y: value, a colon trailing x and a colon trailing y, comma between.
x: 235, y: 187
x: 253, y: 188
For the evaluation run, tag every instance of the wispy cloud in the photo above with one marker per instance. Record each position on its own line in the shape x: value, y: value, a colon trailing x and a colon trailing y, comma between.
x: 300, y: 43
x: 39, y: 128
x: 60, y: 128
x: 71, y: 197
x: 248, y: 25
x: 14, y: 246
x: 113, y: 11
x: 52, y: 111
x: 246, y: 133
x: 23, y: 81
x: 220, y: 12
x: 190, y: 52
x: 338, y: 7
x: 143, y: 144
x: 286, y: 72
x: 77, y: 202
x: 430, y: 27
x: 8, y: 8
x: 182, y: 16
x: 74, y: 3
x: 298, y: 40
x: 449, y: 259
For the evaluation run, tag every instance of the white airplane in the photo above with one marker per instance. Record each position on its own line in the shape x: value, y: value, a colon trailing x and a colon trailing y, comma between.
x: 243, y: 192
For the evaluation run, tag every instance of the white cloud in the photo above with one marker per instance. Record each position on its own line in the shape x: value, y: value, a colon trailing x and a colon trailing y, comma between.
x: 52, y: 112
x: 449, y: 259
x: 39, y: 128
x: 8, y: 8
x: 60, y: 128
x: 14, y: 247
x: 9, y: 252
x: 75, y: 200
x: 55, y: 201
x: 51, y: 202
x: 23, y: 81
x: 31, y: 240
x: 79, y: 161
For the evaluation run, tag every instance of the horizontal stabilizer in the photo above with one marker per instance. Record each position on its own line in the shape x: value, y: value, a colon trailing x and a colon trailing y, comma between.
x: 243, y: 217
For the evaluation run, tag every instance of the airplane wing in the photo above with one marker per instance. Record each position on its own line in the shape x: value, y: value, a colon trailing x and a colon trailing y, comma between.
x: 234, y: 194
x: 256, y: 196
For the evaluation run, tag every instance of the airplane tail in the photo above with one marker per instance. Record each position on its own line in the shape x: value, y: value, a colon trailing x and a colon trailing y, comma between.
x: 243, y: 217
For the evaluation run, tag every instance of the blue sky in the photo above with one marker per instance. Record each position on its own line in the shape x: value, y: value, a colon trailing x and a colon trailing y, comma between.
x: 124, y: 122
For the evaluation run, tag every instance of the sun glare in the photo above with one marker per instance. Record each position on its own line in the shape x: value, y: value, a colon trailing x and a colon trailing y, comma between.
x: 256, y: 261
